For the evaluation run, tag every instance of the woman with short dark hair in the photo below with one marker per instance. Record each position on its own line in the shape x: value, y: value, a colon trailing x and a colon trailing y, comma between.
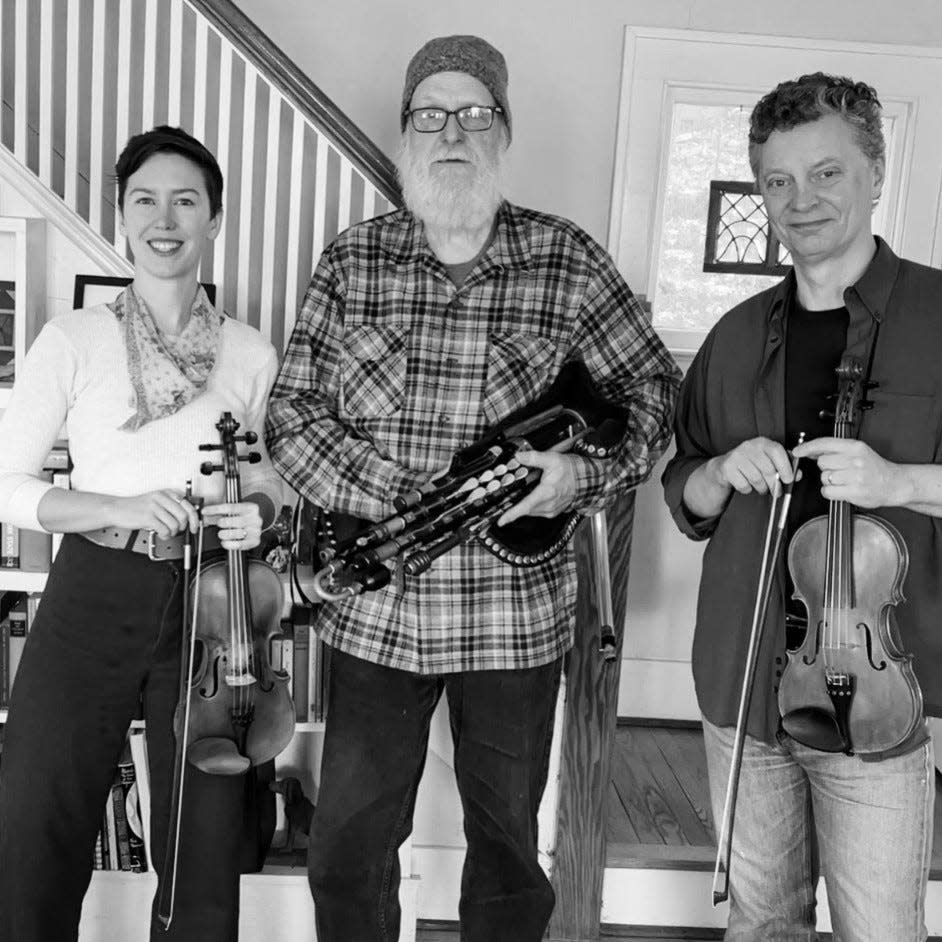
x: 139, y: 385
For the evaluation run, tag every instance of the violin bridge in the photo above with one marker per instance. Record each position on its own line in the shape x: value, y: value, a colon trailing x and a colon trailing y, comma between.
x: 240, y: 680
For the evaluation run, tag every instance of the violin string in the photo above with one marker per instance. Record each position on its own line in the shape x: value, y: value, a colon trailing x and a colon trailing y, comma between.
x: 846, y: 550
x: 235, y: 632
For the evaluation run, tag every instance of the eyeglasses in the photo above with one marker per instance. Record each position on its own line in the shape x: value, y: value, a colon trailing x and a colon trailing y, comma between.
x: 469, y: 118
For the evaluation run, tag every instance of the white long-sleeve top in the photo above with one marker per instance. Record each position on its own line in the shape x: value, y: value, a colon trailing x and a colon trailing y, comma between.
x: 75, y: 376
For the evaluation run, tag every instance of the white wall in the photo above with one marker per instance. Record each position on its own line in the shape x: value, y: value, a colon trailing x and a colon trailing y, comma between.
x: 64, y: 258
x: 564, y: 60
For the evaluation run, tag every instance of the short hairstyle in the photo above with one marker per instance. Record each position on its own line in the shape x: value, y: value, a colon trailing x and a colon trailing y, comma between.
x: 813, y: 96
x: 167, y: 140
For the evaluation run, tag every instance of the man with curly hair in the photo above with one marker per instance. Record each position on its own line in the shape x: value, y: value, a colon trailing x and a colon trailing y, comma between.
x: 813, y: 801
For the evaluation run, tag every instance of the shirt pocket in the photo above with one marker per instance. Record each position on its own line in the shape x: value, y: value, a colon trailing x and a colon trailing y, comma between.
x: 518, y: 367
x: 373, y: 371
x: 902, y: 427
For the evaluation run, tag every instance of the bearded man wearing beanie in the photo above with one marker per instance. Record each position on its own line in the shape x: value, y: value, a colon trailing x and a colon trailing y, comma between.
x: 420, y: 330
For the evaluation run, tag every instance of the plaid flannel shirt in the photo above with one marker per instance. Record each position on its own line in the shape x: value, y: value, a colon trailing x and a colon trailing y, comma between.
x: 391, y: 370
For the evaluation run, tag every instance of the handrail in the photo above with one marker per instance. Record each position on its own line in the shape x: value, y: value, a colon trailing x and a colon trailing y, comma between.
x: 316, y: 106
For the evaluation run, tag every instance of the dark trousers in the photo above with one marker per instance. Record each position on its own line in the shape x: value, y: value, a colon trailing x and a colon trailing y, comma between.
x: 108, y: 631
x: 374, y: 754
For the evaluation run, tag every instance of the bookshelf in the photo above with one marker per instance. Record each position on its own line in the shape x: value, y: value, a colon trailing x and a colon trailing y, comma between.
x: 15, y: 580
x: 22, y: 279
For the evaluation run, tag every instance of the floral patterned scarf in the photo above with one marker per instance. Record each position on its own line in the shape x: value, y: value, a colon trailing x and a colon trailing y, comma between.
x: 166, y: 371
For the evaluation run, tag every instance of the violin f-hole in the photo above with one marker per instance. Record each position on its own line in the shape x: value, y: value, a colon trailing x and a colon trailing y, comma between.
x: 817, y: 646
x: 865, y: 628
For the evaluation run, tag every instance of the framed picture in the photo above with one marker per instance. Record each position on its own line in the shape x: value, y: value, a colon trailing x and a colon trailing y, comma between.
x: 7, y: 334
x: 103, y: 289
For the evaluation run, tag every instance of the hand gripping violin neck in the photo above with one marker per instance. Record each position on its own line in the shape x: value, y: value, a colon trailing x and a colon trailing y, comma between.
x: 235, y: 710
x: 849, y: 687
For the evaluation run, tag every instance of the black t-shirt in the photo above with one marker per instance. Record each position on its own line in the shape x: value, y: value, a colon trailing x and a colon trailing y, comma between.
x: 814, y: 344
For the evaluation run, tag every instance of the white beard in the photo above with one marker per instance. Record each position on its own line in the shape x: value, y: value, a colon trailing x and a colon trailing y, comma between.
x: 450, y: 200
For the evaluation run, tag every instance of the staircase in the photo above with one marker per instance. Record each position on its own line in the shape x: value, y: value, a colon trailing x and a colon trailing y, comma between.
x: 79, y: 77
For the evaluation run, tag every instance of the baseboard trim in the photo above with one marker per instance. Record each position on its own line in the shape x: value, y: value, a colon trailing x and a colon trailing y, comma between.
x: 608, y: 931
x: 655, y: 721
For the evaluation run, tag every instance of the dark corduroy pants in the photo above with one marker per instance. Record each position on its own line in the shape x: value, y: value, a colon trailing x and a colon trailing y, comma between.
x: 107, y: 633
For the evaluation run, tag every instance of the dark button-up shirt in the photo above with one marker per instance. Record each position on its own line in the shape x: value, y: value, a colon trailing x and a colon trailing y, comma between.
x: 392, y: 369
x: 734, y: 391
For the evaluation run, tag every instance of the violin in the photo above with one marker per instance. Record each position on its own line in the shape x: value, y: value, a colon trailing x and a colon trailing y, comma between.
x: 235, y: 710
x: 849, y: 686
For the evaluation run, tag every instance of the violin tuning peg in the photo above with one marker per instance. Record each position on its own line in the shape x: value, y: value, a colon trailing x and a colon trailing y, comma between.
x: 207, y: 467
x: 824, y: 414
x: 250, y: 438
x: 871, y: 384
x: 253, y: 457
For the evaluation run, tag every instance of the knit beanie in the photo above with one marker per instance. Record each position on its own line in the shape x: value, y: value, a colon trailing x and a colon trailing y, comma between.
x: 469, y: 54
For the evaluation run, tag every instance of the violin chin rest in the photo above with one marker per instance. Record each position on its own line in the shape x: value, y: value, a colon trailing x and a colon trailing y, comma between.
x: 816, y: 728
x: 216, y: 755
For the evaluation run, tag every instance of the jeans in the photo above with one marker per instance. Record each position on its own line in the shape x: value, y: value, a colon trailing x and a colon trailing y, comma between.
x: 865, y: 826
x: 374, y: 753
x: 107, y: 633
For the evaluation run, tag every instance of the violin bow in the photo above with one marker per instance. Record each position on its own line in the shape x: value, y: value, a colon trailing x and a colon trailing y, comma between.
x: 774, y: 537
x: 168, y: 879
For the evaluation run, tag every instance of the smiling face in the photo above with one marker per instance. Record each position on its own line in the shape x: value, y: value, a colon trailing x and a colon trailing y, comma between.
x: 166, y: 217
x: 819, y: 189
x: 452, y: 177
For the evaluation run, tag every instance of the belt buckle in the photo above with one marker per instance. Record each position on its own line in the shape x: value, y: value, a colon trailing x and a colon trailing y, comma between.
x: 151, y: 547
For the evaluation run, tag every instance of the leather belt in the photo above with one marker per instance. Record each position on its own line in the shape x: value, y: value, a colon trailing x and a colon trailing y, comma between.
x: 148, y: 542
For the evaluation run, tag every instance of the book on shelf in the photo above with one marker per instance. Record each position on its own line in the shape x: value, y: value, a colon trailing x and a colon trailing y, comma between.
x: 19, y: 627
x: 7, y: 600
x: 98, y: 855
x: 110, y: 836
x: 17, y: 612
x: 320, y: 674
x: 137, y: 742
x: 4, y: 662
x: 105, y: 849
x: 9, y: 546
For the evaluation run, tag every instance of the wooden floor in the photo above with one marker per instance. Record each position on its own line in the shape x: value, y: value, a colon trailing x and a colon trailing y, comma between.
x: 658, y: 801
x: 659, y: 816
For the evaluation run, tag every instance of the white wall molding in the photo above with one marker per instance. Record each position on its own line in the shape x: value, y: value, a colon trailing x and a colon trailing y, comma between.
x: 54, y: 210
